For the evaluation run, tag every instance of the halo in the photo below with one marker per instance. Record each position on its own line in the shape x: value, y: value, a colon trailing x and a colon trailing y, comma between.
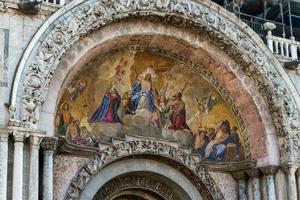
x: 150, y: 71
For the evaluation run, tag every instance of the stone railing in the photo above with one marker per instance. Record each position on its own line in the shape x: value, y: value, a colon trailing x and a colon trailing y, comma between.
x: 57, y: 2
x: 285, y: 49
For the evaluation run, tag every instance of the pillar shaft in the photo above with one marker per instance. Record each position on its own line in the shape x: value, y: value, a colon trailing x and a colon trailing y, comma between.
x: 48, y: 146
x: 298, y: 182
x: 18, y: 166
x: 242, y: 184
x: 290, y: 172
x: 269, y: 172
x: 254, y: 174
x: 34, y: 168
x: 3, y: 163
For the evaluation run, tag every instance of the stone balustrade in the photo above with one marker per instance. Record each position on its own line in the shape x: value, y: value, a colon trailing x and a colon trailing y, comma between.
x: 285, y: 49
x: 57, y: 2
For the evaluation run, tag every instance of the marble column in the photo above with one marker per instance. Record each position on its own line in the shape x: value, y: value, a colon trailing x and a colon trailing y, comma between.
x: 18, y: 166
x: 269, y: 172
x: 242, y: 184
x: 3, y: 162
x: 255, y: 182
x: 290, y: 171
x: 48, y: 146
x: 280, y: 185
x: 34, y: 167
x: 298, y: 182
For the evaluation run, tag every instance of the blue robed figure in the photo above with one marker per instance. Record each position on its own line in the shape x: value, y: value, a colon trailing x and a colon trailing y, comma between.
x: 108, y: 110
x: 142, y: 88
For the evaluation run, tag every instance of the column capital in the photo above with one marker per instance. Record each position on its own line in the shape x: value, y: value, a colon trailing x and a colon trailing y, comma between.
x: 298, y: 172
x: 239, y: 175
x: 35, y: 140
x: 289, y: 168
x: 4, y: 135
x: 18, y: 136
x: 49, y: 143
x: 269, y: 170
x: 253, y: 172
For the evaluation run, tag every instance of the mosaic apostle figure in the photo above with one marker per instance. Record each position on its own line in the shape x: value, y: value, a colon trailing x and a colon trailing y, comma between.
x: 177, y: 119
x: 108, y: 109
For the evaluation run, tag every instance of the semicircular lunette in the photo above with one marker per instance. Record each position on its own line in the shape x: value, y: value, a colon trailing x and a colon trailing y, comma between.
x: 146, y: 94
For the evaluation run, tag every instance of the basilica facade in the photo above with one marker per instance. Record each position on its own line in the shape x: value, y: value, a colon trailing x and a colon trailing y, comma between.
x: 145, y: 100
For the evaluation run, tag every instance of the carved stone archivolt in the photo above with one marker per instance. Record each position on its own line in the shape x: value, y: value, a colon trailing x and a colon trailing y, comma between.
x: 206, y: 185
x: 82, y: 17
x: 135, y: 182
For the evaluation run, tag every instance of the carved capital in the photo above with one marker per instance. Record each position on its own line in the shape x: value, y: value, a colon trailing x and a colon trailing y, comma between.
x: 3, y: 135
x: 18, y: 136
x: 269, y: 170
x: 290, y: 169
x: 35, y: 140
x: 240, y: 175
x: 253, y: 173
x: 298, y: 172
x: 49, y: 144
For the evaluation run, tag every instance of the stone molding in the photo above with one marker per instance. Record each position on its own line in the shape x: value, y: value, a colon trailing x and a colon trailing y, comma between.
x: 135, y: 182
x: 206, y: 186
x: 49, y: 144
x: 80, y: 18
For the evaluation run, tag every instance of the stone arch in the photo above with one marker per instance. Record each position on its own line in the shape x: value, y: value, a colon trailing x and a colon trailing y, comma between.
x: 80, y: 17
x: 113, y: 37
x: 89, y: 179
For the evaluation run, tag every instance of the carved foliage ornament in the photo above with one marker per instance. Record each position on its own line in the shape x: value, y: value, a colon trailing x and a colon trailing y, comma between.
x: 94, y: 14
x: 126, y: 149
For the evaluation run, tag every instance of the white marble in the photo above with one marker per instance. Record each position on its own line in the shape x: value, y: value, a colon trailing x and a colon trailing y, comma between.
x: 3, y: 163
x: 18, y: 167
x: 48, y: 175
x: 34, y: 168
x: 290, y: 172
x: 271, y: 195
x: 280, y: 185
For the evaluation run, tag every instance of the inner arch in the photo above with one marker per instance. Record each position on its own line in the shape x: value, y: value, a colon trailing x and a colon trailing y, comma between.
x: 138, y: 166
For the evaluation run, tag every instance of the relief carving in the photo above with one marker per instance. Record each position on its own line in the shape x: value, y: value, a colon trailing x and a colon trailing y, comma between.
x: 126, y: 149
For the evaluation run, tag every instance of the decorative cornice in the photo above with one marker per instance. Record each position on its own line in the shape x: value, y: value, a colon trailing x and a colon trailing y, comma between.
x: 206, y: 186
x: 49, y: 144
x: 65, y: 147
